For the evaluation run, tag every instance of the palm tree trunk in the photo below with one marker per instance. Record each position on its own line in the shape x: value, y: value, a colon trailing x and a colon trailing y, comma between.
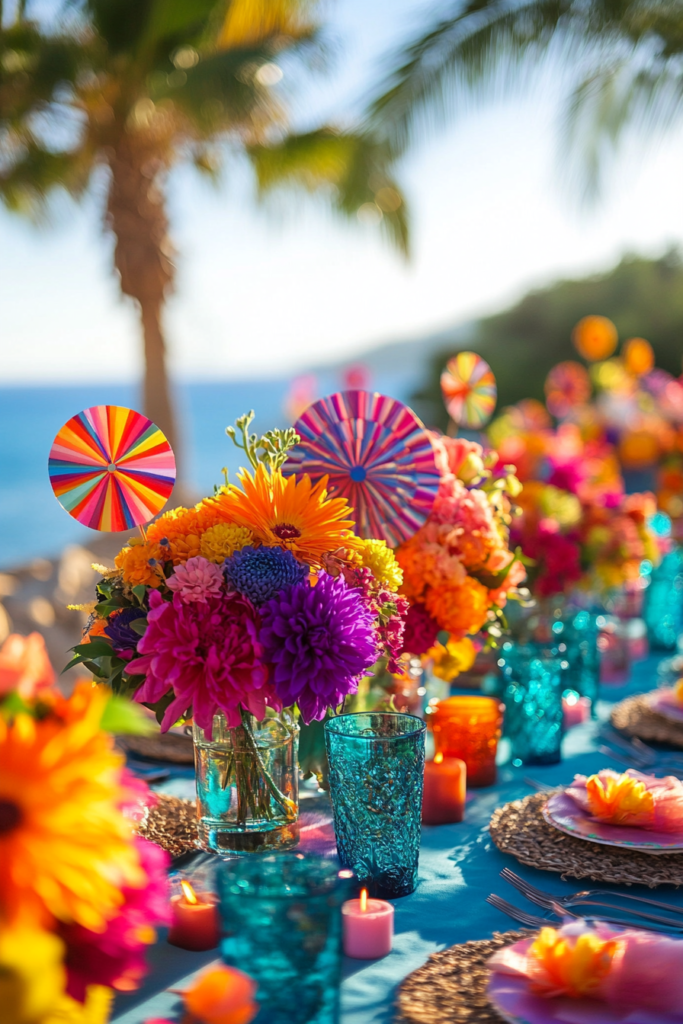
x: 137, y: 217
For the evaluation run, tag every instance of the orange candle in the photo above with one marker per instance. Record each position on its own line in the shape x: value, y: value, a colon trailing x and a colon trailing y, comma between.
x: 443, y: 800
x: 469, y: 728
x: 195, y: 920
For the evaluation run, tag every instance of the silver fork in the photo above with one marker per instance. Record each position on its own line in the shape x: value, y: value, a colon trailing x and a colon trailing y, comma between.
x: 563, y: 912
x: 639, y: 750
x: 550, y: 900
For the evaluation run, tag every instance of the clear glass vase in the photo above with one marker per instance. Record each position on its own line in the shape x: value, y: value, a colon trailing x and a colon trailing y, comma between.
x: 248, y: 784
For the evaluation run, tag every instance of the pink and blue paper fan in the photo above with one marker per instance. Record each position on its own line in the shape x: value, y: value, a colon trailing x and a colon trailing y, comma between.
x: 376, y: 454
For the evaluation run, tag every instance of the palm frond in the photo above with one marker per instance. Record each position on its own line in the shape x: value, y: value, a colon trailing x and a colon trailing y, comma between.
x: 352, y: 171
x: 479, y: 41
x: 616, y: 96
x: 250, y: 22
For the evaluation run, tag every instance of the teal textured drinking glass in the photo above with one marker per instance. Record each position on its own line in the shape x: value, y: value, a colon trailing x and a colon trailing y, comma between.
x: 575, y: 637
x: 534, y: 680
x: 281, y: 923
x: 663, y: 604
x: 376, y: 777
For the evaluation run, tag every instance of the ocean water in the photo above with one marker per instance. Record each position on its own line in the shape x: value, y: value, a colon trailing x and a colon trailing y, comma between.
x: 33, y: 524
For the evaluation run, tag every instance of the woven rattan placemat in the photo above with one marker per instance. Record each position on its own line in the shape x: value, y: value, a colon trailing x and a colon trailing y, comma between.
x: 162, y: 747
x: 519, y: 828
x: 451, y: 986
x: 171, y: 824
x: 636, y: 718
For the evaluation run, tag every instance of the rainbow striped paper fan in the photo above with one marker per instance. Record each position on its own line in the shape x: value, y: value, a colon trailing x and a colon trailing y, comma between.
x: 469, y: 390
x: 376, y: 454
x: 111, y: 468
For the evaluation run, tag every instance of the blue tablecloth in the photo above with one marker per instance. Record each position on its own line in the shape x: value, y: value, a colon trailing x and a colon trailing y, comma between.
x: 459, y: 867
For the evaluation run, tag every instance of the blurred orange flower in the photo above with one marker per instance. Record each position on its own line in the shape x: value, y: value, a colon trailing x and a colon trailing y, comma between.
x: 568, y: 965
x: 25, y: 666
x: 620, y: 801
x: 221, y: 995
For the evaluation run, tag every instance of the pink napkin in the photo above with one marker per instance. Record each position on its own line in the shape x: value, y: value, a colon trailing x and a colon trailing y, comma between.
x: 664, y: 810
x: 646, y: 970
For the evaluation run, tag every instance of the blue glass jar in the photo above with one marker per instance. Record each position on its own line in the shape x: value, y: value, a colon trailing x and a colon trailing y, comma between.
x: 376, y: 777
x: 533, y: 678
x: 281, y: 923
x: 663, y: 604
x: 575, y: 636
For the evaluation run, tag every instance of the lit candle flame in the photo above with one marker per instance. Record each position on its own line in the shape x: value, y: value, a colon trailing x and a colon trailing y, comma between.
x: 363, y: 900
x: 438, y: 758
x: 188, y: 892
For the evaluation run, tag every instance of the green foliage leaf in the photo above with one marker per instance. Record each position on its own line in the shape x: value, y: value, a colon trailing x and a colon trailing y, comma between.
x: 140, y: 592
x: 139, y: 626
x: 124, y: 716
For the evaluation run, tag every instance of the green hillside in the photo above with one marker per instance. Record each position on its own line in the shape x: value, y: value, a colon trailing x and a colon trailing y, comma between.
x: 643, y: 297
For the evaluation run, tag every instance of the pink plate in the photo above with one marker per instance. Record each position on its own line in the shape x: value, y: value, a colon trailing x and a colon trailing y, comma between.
x: 664, y: 703
x: 565, y: 814
x: 515, y: 1002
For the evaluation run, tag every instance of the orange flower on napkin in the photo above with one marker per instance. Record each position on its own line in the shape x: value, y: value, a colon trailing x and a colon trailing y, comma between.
x: 574, y: 966
x: 620, y: 800
x: 633, y: 800
x: 678, y: 690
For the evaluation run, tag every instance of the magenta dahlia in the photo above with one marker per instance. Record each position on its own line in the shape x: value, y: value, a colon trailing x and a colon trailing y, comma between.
x: 420, y: 630
x: 209, y: 654
x: 116, y: 956
x: 319, y: 640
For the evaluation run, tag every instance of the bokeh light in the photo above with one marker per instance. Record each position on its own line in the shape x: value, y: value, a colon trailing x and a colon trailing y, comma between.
x: 638, y: 356
x: 595, y: 337
x: 566, y: 387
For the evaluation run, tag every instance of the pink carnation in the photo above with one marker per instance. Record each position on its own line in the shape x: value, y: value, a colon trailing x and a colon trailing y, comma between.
x: 116, y: 956
x: 421, y: 630
x: 209, y: 654
x: 196, y: 580
x: 451, y: 452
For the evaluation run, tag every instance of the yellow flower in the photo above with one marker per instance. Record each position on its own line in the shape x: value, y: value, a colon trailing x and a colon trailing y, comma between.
x: 65, y: 846
x: 290, y: 513
x: 32, y: 975
x: 450, y: 660
x: 222, y: 540
x: 95, y: 1010
x: 573, y: 966
x: 620, y: 800
x: 381, y: 562
x: 141, y: 564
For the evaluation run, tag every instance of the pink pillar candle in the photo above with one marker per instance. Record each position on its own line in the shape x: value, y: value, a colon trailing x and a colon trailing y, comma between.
x: 195, y: 920
x: 368, y: 927
x: 575, y: 710
x: 443, y: 801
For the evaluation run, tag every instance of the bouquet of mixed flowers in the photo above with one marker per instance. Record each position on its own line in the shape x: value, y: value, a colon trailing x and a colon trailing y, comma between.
x: 576, y: 526
x: 82, y: 894
x: 259, y: 598
x: 458, y: 569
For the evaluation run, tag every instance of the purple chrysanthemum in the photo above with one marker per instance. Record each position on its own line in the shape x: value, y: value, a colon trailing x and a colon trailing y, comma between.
x: 118, y: 629
x: 261, y: 573
x: 319, y: 640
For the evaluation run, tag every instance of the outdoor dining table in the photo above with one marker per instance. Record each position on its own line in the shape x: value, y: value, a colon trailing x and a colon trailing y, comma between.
x: 459, y: 867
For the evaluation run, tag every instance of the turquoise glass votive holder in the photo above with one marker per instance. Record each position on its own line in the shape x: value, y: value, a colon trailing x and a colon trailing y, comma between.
x: 376, y: 778
x: 534, y: 680
x: 281, y: 924
x: 663, y: 603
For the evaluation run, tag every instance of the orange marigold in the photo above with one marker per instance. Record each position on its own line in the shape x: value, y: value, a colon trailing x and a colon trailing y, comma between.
x: 178, y: 522
x: 459, y: 608
x: 141, y: 564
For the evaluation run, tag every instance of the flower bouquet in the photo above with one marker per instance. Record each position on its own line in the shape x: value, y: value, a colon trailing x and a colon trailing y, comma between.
x: 255, y: 607
x: 82, y: 893
x: 458, y: 569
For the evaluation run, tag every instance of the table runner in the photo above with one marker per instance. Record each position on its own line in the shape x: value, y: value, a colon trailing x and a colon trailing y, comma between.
x: 459, y: 867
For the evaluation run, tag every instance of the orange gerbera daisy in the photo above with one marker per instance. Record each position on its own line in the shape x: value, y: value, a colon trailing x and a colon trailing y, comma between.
x: 290, y: 513
x: 65, y: 845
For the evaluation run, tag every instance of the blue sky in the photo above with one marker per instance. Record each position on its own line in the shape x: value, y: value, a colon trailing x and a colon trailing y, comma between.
x: 281, y: 287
